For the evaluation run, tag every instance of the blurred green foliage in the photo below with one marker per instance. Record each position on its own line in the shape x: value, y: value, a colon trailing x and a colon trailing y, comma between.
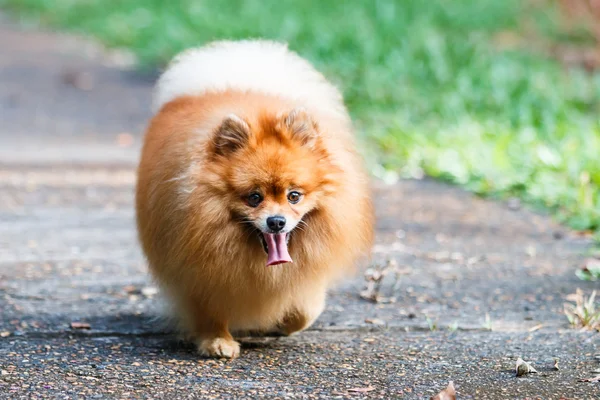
x: 431, y: 84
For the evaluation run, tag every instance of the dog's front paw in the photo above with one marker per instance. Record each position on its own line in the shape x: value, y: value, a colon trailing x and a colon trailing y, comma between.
x: 219, y: 347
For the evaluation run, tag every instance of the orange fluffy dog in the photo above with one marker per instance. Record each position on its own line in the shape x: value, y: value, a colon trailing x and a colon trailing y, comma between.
x: 251, y: 198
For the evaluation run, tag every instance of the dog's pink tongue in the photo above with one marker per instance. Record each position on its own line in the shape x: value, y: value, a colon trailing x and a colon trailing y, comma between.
x: 277, y: 248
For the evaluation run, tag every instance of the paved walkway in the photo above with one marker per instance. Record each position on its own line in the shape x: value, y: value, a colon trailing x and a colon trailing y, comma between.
x: 69, y: 140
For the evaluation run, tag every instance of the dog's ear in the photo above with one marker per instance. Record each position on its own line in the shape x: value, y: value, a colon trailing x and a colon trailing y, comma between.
x: 231, y: 135
x: 301, y: 126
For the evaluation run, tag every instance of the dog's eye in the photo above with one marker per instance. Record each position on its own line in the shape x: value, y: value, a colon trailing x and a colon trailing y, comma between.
x: 254, y: 199
x: 294, y: 197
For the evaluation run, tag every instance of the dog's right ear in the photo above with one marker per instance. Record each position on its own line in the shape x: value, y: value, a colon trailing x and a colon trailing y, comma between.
x: 301, y: 126
x: 231, y: 135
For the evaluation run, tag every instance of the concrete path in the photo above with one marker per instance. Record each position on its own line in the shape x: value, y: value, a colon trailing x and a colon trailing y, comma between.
x: 70, y: 131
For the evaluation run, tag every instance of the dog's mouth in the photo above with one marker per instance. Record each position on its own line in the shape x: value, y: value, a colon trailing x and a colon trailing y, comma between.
x: 276, y: 247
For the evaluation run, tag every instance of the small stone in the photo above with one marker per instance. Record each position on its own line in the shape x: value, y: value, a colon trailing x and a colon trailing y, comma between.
x: 513, y: 203
x: 362, y: 389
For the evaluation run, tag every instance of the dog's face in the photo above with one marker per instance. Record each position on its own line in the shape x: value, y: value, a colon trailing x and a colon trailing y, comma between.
x: 277, y: 173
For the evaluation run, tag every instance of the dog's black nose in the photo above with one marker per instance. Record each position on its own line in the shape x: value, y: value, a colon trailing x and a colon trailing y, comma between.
x: 276, y: 223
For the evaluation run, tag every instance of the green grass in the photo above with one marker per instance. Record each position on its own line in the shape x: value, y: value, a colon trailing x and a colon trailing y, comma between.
x: 429, y: 89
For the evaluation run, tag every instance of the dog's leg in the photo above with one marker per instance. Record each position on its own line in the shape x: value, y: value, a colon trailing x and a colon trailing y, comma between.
x: 213, y: 338
x: 303, y: 314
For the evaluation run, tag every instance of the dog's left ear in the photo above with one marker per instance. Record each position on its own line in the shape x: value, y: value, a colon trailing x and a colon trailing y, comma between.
x: 232, y: 135
x: 301, y: 126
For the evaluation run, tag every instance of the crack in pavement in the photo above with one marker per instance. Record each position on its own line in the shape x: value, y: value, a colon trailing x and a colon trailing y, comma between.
x: 94, y: 333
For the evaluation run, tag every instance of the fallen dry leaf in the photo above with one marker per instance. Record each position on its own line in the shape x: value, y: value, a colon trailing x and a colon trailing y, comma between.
x: 125, y: 139
x: 590, y: 270
x: 535, y: 328
x: 80, y: 325
x: 375, y: 321
x: 130, y: 289
x: 531, y: 251
x: 591, y: 263
x: 362, y: 390
x: 594, y: 379
x: 374, y: 277
x: 447, y: 394
x: 524, y: 368
x: 556, y: 364
x: 81, y: 80
x: 585, y: 234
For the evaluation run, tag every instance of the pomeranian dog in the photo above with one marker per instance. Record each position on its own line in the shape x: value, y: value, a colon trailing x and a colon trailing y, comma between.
x: 251, y: 198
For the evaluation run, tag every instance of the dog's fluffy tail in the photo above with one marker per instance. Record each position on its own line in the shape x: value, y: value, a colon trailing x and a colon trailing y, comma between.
x: 249, y: 65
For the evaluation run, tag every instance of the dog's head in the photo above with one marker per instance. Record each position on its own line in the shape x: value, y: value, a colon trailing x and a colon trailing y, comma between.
x: 276, y: 171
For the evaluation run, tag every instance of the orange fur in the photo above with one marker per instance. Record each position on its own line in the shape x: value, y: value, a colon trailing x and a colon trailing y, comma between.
x: 191, y: 212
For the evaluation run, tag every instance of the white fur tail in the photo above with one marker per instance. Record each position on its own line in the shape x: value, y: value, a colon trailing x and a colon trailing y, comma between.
x: 248, y: 65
